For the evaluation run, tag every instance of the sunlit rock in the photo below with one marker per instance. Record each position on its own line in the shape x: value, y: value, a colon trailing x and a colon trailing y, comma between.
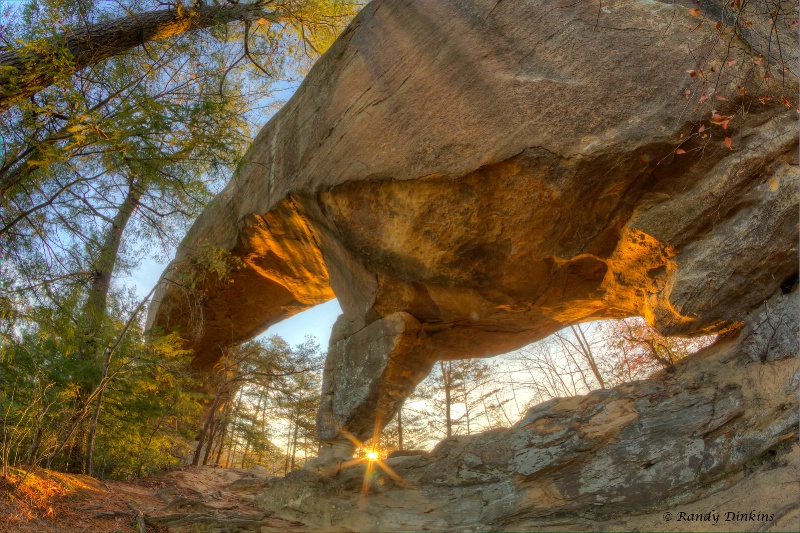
x: 467, y: 177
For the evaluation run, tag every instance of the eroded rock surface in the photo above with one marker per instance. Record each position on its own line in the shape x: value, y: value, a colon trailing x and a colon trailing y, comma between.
x: 469, y: 176
x: 719, y: 433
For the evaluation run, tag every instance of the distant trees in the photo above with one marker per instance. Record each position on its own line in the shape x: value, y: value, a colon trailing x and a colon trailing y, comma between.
x: 634, y: 350
x: 465, y: 396
x: 266, y: 393
x: 459, y: 397
x: 580, y: 358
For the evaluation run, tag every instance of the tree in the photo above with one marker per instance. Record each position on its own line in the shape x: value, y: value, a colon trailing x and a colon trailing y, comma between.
x: 118, y: 127
x: 41, y: 62
x: 635, y: 350
x: 459, y: 397
x: 264, y: 387
x: 299, y: 402
x: 582, y: 346
x: 611, y: 352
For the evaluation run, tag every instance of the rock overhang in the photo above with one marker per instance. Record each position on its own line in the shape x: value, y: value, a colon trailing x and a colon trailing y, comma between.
x: 472, y: 176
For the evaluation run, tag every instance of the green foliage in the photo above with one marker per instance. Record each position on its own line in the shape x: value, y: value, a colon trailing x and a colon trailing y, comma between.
x: 207, y: 264
x: 268, y: 419
x: 149, y: 413
x: 100, y: 170
x: 149, y: 416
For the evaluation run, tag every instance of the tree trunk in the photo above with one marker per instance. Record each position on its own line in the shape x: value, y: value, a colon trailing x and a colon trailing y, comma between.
x: 219, y: 432
x: 96, y: 305
x: 466, y: 409
x: 94, y: 312
x: 294, y: 441
x: 288, y: 450
x: 245, y: 451
x: 27, y: 71
x: 221, y: 445
x: 255, y: 418
x: 587, y: 352
x: 4, y: 426
x: 563, y: 341
x: 207, y: 426
x: 448, y: 400
x: 234, y: 442
x: 214, y: 427
x: 33, y: 449
x: 400, y: 428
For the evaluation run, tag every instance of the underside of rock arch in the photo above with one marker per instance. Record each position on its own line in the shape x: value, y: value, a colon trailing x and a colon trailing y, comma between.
x: 467, y: 177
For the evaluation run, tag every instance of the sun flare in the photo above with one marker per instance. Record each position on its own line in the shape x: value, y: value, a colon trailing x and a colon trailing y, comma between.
x: 372, y: 455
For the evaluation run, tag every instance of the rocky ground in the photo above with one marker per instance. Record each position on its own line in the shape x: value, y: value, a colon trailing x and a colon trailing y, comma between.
x: 710, y: 445
x: 218, y: 499
x: 716, y: 433
x: 184, y: 499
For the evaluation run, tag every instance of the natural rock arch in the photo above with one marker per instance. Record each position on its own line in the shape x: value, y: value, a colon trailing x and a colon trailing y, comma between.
x: 470, y: 176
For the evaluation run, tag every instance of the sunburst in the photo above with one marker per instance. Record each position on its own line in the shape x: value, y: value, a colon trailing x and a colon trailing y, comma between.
x: 371, y: 458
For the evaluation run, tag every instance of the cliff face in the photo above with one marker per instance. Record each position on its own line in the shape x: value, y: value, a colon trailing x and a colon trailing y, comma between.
x: 467, y: 177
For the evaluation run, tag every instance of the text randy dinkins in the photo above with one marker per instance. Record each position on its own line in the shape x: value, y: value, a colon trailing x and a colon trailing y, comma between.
x: 715, y: 517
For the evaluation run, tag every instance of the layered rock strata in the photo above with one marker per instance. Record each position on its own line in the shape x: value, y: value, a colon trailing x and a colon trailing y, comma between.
x: 469, y: 176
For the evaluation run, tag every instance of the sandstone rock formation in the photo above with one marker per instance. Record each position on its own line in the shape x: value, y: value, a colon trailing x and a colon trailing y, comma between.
x: 717, y: 434
x: 469, y: 176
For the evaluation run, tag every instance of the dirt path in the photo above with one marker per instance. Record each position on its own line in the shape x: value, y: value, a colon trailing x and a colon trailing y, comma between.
x: 184, y: 499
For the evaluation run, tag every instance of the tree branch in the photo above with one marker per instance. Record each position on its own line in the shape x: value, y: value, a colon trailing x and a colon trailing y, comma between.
x: 28, y: 70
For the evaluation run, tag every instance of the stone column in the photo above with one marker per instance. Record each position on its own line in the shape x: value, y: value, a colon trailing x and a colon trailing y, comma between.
x: 368, y: 373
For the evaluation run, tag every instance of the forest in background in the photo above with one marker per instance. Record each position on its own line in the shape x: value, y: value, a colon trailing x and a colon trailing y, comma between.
x: 107, y: 158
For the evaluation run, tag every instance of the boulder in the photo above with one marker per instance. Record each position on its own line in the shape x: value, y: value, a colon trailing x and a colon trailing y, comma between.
x: 247, y: 484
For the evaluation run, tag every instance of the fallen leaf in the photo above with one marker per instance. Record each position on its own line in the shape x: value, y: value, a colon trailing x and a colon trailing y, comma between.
x: 728, y: 142
x: 786, y: 101
x: 718, y: 97
x: 703, y: 97
x: 732, y: 62
x: 695, y: 12
x: 702, y: 128
x: 680, y: 151
x: 720, y: 120
x: 719, y: 24
x: 692, y: 73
